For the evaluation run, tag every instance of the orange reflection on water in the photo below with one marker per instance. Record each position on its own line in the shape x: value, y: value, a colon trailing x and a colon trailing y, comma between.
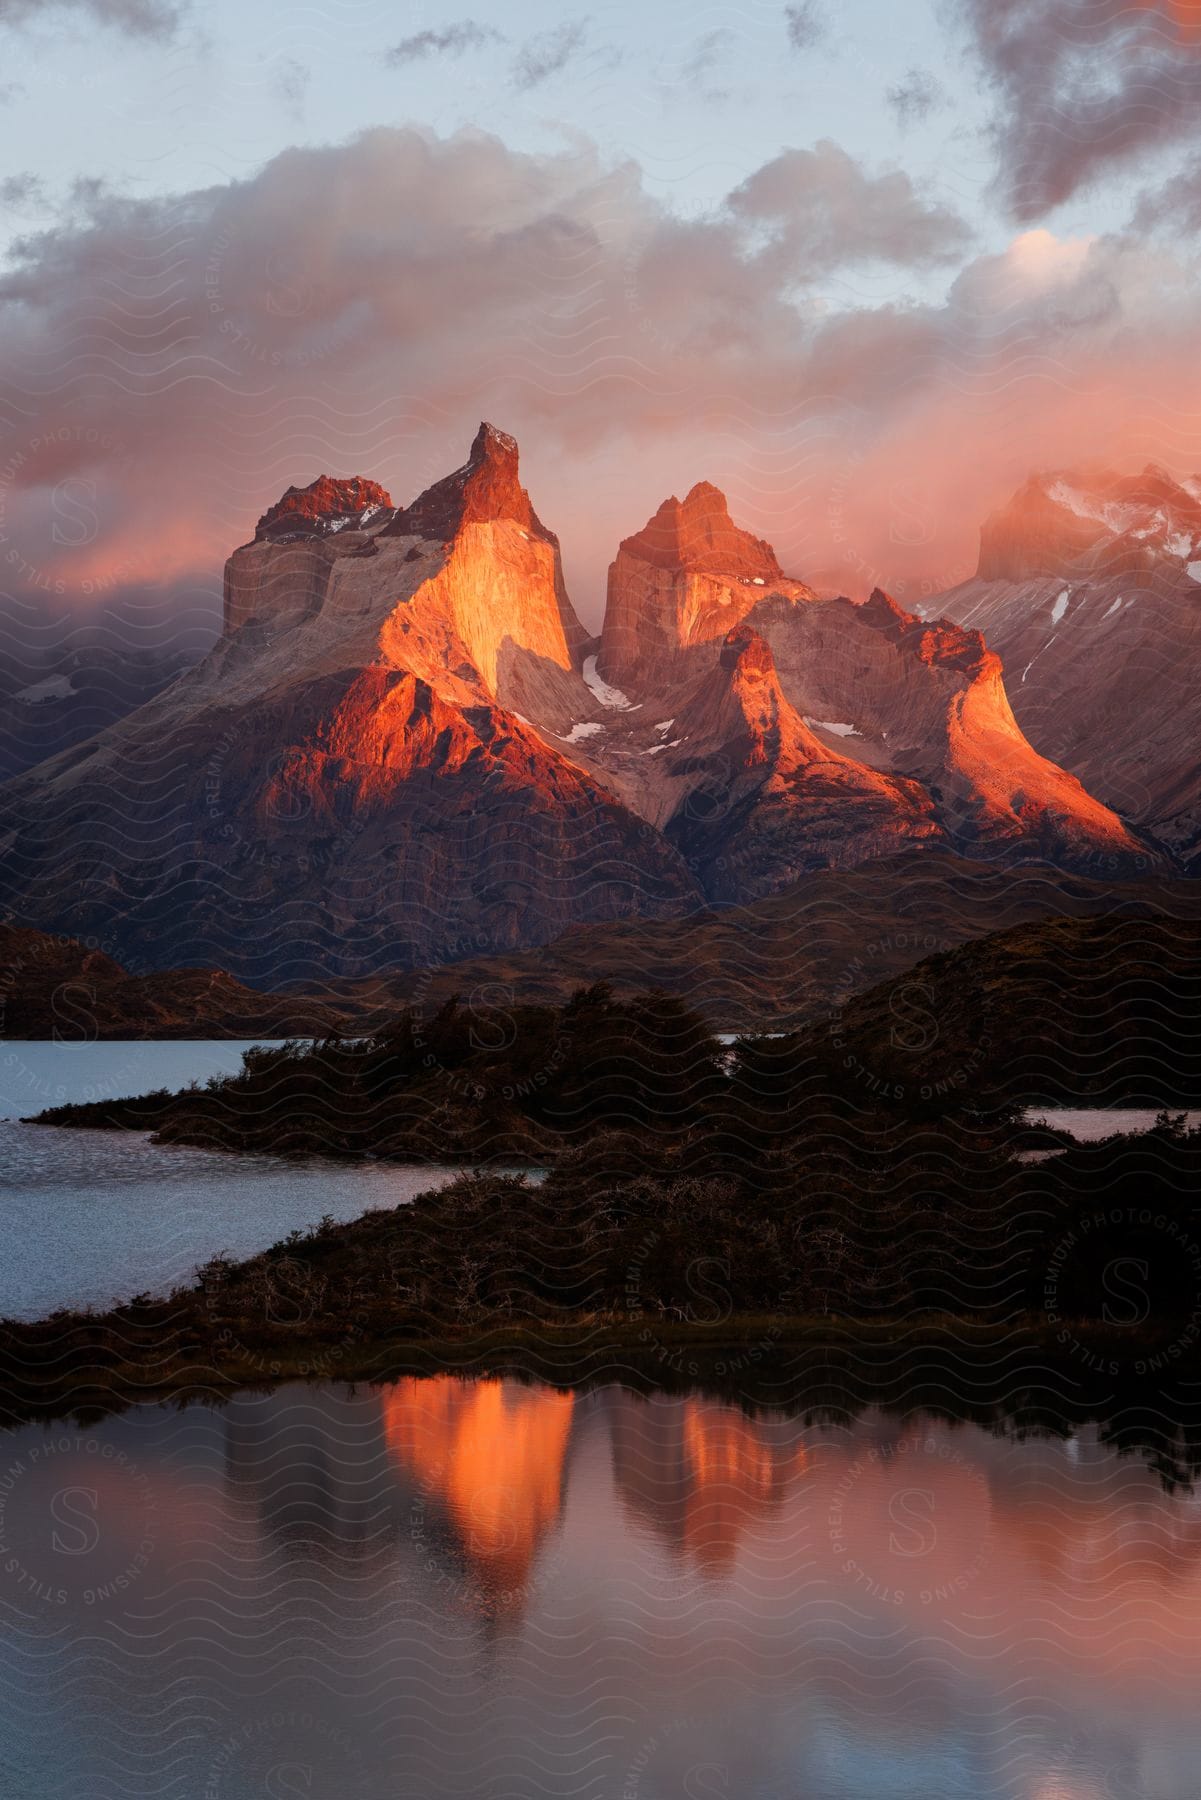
x: 492, y: 1453
x: 703, y: 1472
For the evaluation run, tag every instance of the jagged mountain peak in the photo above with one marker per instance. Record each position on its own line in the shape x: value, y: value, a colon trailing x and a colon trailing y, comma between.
x: 685, y: 579
x: 399, y: 746
x: 932, y: 641
x: 485, y: 489
x: 325, y: 506
x: 698, y: 534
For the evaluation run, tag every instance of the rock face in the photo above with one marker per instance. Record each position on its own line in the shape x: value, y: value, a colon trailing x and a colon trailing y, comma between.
x: 688, y: 577
x: 770, y: 733
x: 324, y: 507
x: 405, y: 750
x: 1089, y: 585
x: 772, y: 801
x: 344, y: 783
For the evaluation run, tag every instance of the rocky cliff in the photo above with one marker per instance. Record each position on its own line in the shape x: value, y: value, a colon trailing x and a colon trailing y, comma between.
x: 1089, y: 586
x: 405, y: 750
x: 345, y: 783
x: 770, y: 732
x: 688, y: 577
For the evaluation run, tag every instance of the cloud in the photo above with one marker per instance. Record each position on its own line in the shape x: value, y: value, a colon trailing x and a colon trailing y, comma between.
x: 1174, y: 205
x: 447, y: 40
x: 138, y: 18
x: 826, y: 212
x: 703, y: 57
x: 1083, y: 87
x: 292, y: 80
x: 22, y: 191
x: 915, y: 97
x: 548, y: 53
x: 176, y: 363
x: 806, y: 24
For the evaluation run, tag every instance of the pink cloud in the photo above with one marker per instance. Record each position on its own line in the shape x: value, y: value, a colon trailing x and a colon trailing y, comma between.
x: 357, y: 310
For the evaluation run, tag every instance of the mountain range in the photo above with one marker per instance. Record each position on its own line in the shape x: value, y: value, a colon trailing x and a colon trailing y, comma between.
x: 405, y: 748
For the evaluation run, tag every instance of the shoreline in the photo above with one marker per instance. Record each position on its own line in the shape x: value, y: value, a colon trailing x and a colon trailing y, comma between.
x: 1019, y: 1367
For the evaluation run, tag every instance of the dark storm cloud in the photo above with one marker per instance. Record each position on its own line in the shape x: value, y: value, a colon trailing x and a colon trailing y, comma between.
x: 1083, y: 87
x: 806, y: 24
x: 1175, y: 205
x: 548, y: 53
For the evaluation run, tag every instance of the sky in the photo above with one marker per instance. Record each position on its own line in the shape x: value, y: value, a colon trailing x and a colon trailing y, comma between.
x: 864, y: 266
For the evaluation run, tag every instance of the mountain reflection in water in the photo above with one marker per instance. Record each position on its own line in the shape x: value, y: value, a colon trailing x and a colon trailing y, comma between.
x: 453, y: 1587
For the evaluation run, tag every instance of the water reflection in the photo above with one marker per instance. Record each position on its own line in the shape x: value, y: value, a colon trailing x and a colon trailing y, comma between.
x: 488, y: 1456
x: 455, y: 1588
x: 700, y: 1472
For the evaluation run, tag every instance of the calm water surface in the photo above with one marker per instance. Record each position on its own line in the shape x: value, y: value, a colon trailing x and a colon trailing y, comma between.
x: 34, y: 1076
x: 90, y: 1217
x: 481, y: 1589
x: 1090, y: 1124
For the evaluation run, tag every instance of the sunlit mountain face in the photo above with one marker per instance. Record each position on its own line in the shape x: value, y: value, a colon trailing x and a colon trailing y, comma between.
x: 405, y: 742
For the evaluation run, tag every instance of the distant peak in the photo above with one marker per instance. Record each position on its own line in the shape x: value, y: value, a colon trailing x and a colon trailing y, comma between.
x: 486, y: 488
x: 327, y: 504
x: 698, y: 534
x: 1062, y: 521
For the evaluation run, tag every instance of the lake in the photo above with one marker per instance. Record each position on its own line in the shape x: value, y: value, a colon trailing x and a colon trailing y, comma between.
x: 483, y: 1590
x: 92, y: 1217
x: 1089, y: 1124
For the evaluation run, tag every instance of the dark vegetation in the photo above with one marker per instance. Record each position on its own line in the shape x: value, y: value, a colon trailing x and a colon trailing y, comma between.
x: 1084, y: 1012
x: 1065, y: 1011
x: 744, y: 1204
x: 777, y: 964
x: 824, y: 1250
x: 72, y: 991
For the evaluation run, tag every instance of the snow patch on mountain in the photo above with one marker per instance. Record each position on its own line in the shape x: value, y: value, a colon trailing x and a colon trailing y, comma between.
x: 608, y: 696
x: 1114, y: 516
x: 55, y: 687
x: 831, y: 725
x: 1038, y: 653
